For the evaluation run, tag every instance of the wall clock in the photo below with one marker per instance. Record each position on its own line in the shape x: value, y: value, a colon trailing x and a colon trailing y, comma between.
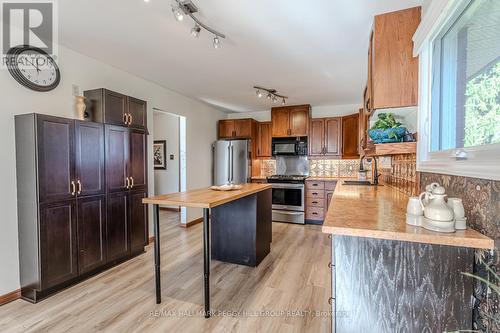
x: 33, y: 68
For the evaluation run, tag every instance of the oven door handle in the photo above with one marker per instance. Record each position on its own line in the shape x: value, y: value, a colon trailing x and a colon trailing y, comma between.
x: 291, y: 213
x: 292, y: 186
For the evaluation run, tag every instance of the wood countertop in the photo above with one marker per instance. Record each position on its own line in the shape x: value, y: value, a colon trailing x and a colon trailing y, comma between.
x: 205, y: 197
x: 380, y: 212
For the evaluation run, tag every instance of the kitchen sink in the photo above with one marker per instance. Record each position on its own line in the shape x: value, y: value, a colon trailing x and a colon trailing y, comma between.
x: 359, y: 182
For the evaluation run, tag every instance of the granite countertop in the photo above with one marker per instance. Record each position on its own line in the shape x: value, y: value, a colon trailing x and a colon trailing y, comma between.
x: 205, y: 197
x: 380, y: 212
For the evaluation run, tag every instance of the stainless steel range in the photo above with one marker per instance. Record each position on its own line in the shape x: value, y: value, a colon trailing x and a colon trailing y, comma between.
x: 289, y: 189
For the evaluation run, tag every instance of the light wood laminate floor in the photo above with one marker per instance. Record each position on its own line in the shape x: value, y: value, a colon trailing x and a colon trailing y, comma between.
x: 287, y: 292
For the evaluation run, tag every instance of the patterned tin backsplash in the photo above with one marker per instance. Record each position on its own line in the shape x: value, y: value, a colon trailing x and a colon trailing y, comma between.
x: 320, y: 168
x: 401, y: 174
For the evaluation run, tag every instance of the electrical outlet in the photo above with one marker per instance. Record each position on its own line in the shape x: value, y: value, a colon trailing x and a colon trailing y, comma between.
x: 76, y: 90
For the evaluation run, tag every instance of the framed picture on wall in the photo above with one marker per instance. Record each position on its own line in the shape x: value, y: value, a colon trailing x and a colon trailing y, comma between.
x: 160, y: 154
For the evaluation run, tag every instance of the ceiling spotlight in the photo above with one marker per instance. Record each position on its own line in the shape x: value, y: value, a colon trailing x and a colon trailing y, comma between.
x: 216, y: 42
x: 147, y: 1
x: 259, y: 94
x: 275, y: 100
x: 178, y: 14
x: 269, y: 96
x: 284, y: 101
x: 195, y: 32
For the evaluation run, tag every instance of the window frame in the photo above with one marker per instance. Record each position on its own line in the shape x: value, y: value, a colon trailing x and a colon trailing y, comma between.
x: 479, y: 161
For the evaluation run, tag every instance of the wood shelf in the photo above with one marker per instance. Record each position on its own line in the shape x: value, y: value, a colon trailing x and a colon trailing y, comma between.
x: 396, y: 148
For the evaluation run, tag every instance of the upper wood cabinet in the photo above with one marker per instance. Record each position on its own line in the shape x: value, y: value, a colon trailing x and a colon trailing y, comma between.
x: 350, y: 136
x: 392, y: 69
x: 264, y: 139
x: 290, y: 121
x: 237, y: 128
x: 325, y: 137
x: 109, y: 107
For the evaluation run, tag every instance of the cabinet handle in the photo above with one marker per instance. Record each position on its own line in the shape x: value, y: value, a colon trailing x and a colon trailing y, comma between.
x: 314, y: 202
x: 315, y: 193
x: 130, y: 119
x: 128, y: 182
x: 73, y: 188
x: 125, y: 118
x: 132, y: 182
x: 315, y: 184
x: 79, y: 186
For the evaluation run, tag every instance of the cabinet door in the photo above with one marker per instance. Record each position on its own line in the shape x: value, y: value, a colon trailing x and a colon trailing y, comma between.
x: 280, y: 120
x: 369, y: 88
x: 117, y: 226
x: 350, y: 135
x: 299, y: 121
x: 91, y: 224
x: 138, y: 222
x: 58, y: 243
x: 264, y: 140
x: 226, y: 129
x: 333, y: 136
x: 138, y: 112
x: 243, y: 128
x: 115, y: 108
x: 117, y: 157
x: 329, y: 196
x: 56, y: 156
x: 89, y: 158
x: 317, y: 137
x: 138, y: 170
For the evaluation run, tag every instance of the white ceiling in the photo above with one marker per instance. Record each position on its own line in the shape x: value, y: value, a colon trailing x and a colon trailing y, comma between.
x: 312, y: 51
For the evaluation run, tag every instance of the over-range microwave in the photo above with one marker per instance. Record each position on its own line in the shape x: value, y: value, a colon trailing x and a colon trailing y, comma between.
x: 289, y: 146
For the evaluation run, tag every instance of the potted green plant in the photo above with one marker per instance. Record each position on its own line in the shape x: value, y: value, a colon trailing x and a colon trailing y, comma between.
x: 386, y: 129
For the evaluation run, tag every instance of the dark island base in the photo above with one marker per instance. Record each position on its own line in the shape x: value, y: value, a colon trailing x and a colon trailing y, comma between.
x: 242, y: 230
x: 394, y: 286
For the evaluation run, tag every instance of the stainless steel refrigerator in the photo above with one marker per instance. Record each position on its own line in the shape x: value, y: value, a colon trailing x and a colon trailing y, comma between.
x: 232, y: 162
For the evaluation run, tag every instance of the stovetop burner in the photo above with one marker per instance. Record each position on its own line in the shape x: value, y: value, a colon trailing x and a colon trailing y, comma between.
x: 286, y: 178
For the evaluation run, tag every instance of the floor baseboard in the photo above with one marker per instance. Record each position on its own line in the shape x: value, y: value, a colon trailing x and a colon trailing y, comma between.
x: 12, y: 296
x: 191, y: 223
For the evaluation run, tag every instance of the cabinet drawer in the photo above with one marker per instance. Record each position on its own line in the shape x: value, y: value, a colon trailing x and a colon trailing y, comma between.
x: 313, y: 185
x: 315, y: 213
x: 330, y: 186
x: 315, y: 202
x: 315, y: 194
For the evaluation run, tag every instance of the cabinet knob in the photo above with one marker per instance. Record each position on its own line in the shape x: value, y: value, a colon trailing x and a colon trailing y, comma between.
x: 330, y: 265
x: 330, y: 300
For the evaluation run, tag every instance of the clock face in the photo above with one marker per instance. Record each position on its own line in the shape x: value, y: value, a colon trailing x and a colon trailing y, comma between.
x: 33, y: 68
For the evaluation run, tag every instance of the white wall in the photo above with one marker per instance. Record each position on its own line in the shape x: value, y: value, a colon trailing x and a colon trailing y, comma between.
x: 89, y: 73
x: 166, y: 127
x: 317, y: 112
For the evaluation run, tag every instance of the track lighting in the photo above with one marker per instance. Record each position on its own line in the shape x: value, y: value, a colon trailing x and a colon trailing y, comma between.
x: 272, y: 95
x: 195, y: 32
x: 182, y: 8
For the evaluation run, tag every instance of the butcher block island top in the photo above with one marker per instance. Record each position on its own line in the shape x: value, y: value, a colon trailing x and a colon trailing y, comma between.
x: 380, y: 212
x: 205, y: 197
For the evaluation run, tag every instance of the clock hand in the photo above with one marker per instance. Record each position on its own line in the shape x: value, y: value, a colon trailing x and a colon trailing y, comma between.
x: 32, y: 64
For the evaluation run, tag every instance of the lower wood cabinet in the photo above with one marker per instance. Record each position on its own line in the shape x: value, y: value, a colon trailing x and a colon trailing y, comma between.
x: 139, y: 233
x: 117, y: 226
x: 91, y: 224
x: 58, y: 245
x: 318, y: 197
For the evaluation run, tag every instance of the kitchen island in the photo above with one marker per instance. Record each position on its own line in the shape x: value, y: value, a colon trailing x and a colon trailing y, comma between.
x: 388, y: 276
x: 241, y: 224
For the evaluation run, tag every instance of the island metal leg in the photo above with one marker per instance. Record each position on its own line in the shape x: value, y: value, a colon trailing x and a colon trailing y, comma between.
x: 206, y: 261
x: 156, y: 217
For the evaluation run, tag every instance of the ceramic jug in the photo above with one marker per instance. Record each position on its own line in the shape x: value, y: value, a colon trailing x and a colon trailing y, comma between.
x: 428, y: 191
x: 436, y: 207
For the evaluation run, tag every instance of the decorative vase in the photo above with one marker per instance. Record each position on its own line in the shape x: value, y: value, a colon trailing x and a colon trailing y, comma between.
x: 80, y: 107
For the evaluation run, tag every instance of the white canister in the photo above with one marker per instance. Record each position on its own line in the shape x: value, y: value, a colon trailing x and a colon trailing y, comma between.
x: 457, y: 206
x: 414, y: 207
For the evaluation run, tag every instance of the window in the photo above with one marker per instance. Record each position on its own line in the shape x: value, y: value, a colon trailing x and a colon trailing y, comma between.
x: 459, y: 108
x: 466, y: 79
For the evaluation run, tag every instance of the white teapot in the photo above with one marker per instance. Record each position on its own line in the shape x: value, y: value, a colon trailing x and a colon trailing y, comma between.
x: 434, y: 206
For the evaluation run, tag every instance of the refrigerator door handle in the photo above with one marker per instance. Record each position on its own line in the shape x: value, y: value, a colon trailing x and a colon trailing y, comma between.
x: 229, y: 163
x: 232, y: 163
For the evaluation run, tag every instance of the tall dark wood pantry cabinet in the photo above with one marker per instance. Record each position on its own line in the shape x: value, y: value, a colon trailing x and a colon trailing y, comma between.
x: 69, y: 224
